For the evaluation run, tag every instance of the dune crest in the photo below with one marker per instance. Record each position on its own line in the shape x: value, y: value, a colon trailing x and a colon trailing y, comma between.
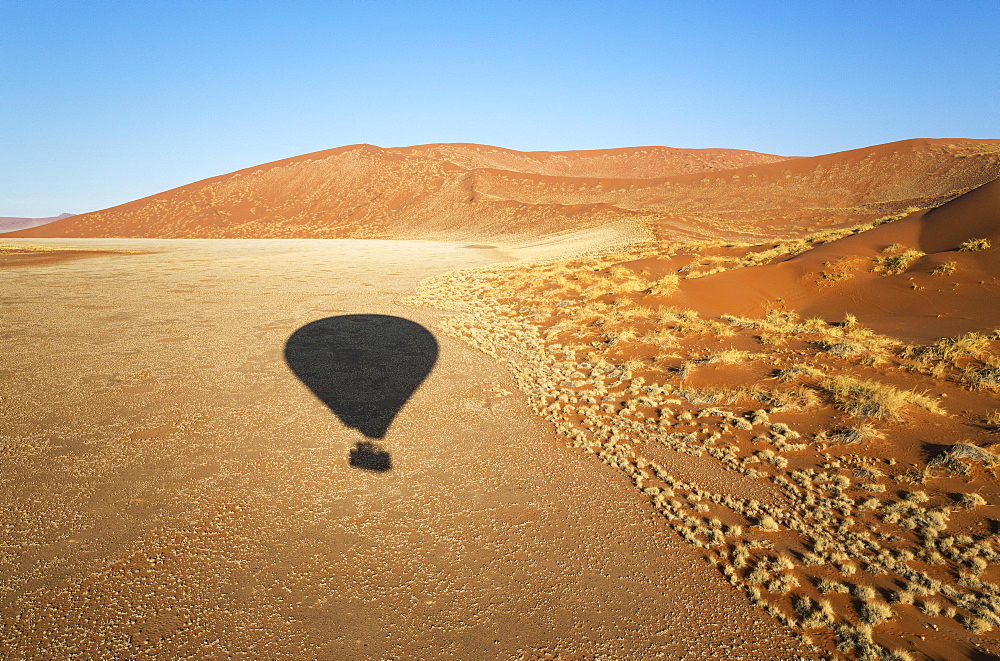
x: 473, y: 192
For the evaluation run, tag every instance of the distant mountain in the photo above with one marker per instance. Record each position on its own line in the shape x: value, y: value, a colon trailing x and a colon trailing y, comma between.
x: 469, y: 192
x: 14, y: 223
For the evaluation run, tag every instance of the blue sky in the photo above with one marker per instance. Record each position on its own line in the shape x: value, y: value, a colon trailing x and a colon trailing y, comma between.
x: 105, y: 102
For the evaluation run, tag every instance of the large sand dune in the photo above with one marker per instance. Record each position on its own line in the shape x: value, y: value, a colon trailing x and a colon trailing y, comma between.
x: 475, y: 192
x: 915, y: 303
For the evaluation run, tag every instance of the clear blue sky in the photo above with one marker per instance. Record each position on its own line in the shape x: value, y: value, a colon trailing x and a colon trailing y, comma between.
x: 104, y: 102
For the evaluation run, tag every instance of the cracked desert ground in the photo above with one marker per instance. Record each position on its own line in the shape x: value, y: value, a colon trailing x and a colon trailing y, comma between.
x: 172, y: 490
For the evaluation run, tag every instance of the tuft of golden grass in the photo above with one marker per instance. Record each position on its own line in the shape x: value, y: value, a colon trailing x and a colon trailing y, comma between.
x: 898, y: 263
x: 859, y: 434
x: 974, y: 245
x: 797, y: 370
x: 949, y: 457
x: 874, y: 612
x: 946, y: 268
x: 873, y: 399
x: 971, y: 500
x: 665, y: 286
x: 969, y: 345
x: 984, y: 377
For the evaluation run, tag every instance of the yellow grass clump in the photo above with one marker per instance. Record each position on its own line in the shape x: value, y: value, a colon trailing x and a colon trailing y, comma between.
x: 946, y: 268
x: 974, y: 245
x: 665, y: 286
x: 898, y: 263
x: 873, y: 399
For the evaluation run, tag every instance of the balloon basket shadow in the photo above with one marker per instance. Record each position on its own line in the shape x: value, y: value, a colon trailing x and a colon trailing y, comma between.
x: 369, y: 456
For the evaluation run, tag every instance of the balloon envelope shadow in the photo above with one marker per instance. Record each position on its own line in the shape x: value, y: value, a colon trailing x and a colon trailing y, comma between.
x: 364, y: 367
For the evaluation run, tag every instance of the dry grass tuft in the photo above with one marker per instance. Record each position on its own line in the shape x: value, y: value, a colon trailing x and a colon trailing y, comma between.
x: 945, y: 269
x: 949, y: 457
x: 797, y: 370
x: 970, y: 345
x: 665, y: 286
x: 974, y: 245
x: 873, y: 612
x: 872, y: 399
x: 971, y: 500
x: 985, y: 377
x: 898, y: 263
x: 859, y: 434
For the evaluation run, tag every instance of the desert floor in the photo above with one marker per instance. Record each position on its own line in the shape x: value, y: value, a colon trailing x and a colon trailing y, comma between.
x: 172, y: 490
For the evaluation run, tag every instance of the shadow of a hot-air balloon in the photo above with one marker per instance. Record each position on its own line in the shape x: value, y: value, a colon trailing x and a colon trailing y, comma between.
x: 364, y: 367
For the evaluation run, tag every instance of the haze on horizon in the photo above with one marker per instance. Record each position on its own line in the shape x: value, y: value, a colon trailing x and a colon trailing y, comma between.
x: 103, y: 103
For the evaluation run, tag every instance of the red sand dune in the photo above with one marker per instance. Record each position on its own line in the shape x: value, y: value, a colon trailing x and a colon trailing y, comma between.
x: 914, y: 304
x: 475, y: 192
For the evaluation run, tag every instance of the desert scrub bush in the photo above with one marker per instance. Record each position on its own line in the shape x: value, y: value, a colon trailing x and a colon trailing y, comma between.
x: 985, y: 377
x: 896, y: 655
x: 896, y: 264
x: 800, y: 398
x: 873, y: 612
x: 664, y: 286
x: 971, y: 500
x: 841, y: 348
x: 757, y: 576
x: 902, y: 597
x: 859, y: 639
x: 865, y: 592
x: 859, y: 434
x: 767, y: 523
x: 797, y: 370
x: 846, y: 567
x: 949, y: 458
x: 969, y: 345
x: 946, y: 268
x: 729, y: 357
x: 869, y: 504
x: 803, y: 605
x: 783, y: 584
x: 930, y: 607
x: 975, y: 624
x: 974, y: 245
x: 832, y: 277
x: 872, y: 399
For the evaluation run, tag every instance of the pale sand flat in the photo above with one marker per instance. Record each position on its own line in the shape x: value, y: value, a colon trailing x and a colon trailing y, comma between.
x: 172, y: 490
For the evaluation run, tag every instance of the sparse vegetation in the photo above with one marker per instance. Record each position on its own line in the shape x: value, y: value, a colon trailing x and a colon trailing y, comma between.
x: 974, y: 245
x: 856, y: 511
x: 897, y: 263
x: 859, y: 434
x: 872, y: 399
x: 665, y: 286
x: 950, y: 457
x: 971, y: 500
x: 984, y: 377
x: 947, y: 268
